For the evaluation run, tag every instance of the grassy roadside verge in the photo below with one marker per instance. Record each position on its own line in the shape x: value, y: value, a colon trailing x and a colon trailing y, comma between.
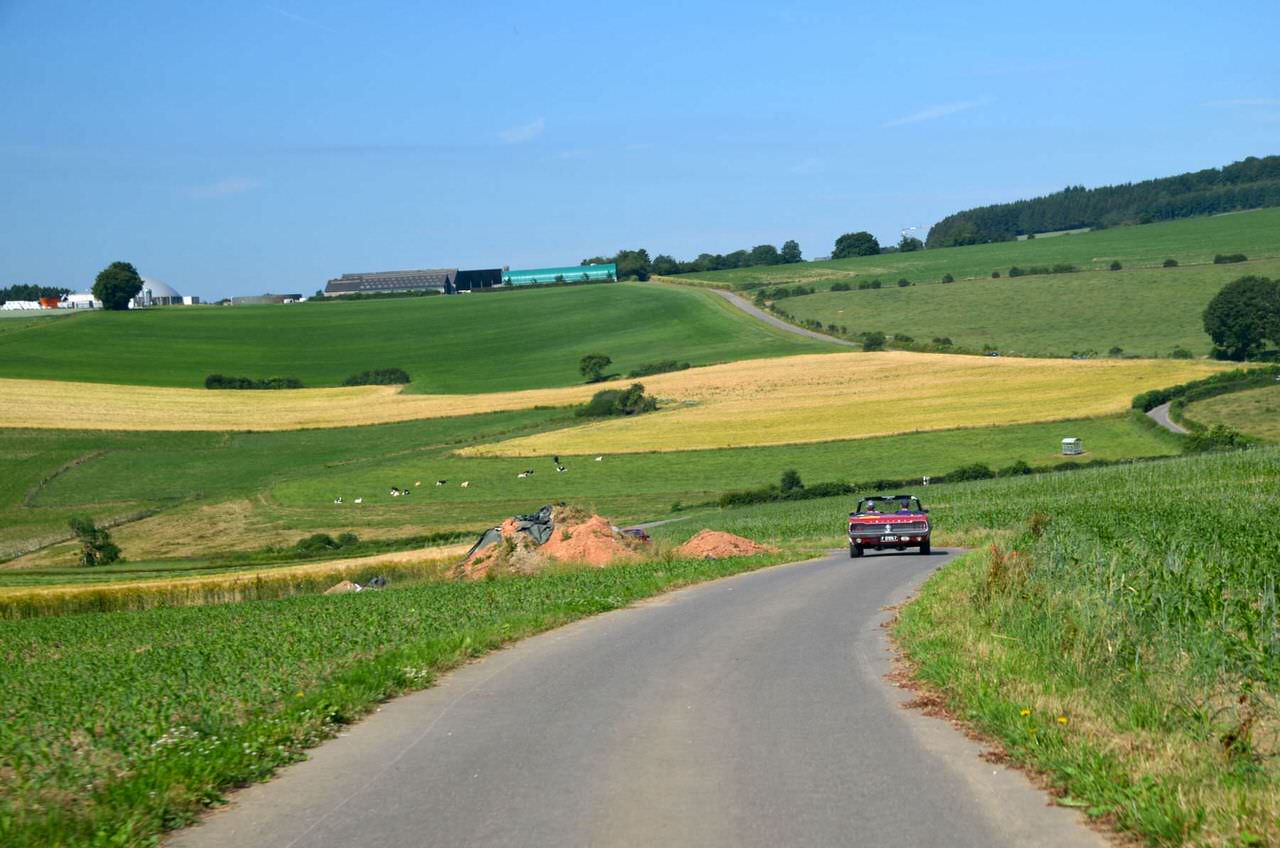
x: 1123, y: 639
x: 178, y: 705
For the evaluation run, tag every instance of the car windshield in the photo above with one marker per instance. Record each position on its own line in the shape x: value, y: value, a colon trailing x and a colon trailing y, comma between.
x: 907, y: 503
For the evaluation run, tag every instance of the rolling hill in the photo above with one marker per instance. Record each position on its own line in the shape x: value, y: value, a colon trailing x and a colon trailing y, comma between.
x: 1191, y: 241
x: 478, y: 343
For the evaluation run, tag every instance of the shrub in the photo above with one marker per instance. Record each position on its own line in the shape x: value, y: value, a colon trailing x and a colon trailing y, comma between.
x: 976, y: 471
x: 1115, y: 351
x: 995, y: 275
x: 947, y: 278
x: 96, y: 547
x: 1181, y: 352
x: 1031, y: 236
x: 873, y: 341
x: 629, y: 401
x: 1015, y: 271
x: 1169, y: 263
x: 663, y: 367
x: 942, y: 341
x: 220, y: 381
x: 1017, y: 469
x: 1115, y: 265
x: 791, y: 480
x: 875, y: 284
x: 1062, y: 268
x: 841, y: 286
x: 902, y: 338
x: 379, y: 377
x: 903, y: 282
x: 1229, y: 258
x: 1038, y: 269
x: 1215, y: 438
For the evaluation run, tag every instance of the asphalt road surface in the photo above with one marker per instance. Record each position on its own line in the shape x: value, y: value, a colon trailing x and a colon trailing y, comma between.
x: 1160, y: 415
x: 748, y: 711
x: 753, y: 310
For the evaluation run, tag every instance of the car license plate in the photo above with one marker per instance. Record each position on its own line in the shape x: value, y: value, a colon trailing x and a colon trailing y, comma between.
x: 888, y: 538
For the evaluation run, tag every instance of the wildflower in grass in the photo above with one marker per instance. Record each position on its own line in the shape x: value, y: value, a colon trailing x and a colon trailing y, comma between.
x: 1062, y: 719
x: 1024, y: 712
x: 300, y: 694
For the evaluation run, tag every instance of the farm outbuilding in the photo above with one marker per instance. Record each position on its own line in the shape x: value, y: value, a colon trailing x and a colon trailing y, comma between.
x: 381, y: 282
x: 565, y: 274
x: 1072, y: 447
x: 157, y: 293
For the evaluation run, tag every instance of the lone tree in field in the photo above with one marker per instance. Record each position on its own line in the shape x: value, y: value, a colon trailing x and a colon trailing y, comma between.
x: 861, y: 243
x: 96, y: 547
x: 791, y: 480
x: 1244, y: 316
x: 592, y: 366
x: 790, y: 253
x: 116, y: 285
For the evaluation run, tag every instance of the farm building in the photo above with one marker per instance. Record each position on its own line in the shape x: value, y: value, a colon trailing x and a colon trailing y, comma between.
x: 379, y: 282
x: 485, y: 278
x: 158, y: 293
x: 567, y: 274
x: 252, y: 299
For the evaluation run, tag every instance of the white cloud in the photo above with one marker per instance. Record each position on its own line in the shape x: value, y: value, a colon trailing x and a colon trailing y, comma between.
x: 524, y: 132
x: 223, y: 188
x: 942, y: 110
x: 1246, y: 101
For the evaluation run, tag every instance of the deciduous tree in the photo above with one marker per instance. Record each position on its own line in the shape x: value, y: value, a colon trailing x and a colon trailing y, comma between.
x: 116, y: 285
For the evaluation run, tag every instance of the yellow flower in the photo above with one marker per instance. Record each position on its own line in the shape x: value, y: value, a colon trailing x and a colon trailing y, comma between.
x: 300, y: 695
x: 1062, y: 719
x: 1024, y: 712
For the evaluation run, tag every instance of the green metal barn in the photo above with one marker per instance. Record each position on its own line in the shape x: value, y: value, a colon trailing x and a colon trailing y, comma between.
x: 567, y: 274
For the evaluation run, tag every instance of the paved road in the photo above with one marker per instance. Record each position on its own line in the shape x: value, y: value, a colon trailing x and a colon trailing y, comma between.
x: 1160, y: 415
x: 769, y: 318
x: 749, y: 711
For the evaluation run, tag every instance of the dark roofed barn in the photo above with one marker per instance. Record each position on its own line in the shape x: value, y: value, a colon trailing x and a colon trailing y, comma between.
x: 438, y: 279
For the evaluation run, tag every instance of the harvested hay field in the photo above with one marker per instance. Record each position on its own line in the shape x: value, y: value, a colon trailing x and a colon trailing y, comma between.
x: 826, y: 397
x: 62, y: 405
x: 810, y: 398
x: 250, y: 584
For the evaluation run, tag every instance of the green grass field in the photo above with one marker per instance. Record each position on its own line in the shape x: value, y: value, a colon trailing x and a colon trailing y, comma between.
x: 1191, y: 241
x: 462, y: 344
x: 1115, y: 652
x: 1129, y: 649
x: 1255, y: 412
x: 241, y: 491
x: 1145, y: 311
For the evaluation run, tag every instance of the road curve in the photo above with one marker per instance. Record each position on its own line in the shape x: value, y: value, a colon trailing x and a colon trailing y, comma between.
x: 1160, y: 415
x: 747, y: 711
x: 756, y: 312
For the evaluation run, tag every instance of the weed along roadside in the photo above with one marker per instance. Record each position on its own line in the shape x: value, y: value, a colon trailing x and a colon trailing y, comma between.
x: 260, y: 682
x: 1110, y: 636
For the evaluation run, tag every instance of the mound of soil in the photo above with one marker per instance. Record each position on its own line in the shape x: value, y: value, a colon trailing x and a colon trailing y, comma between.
x: 342, y: 588
x: 592, y: 541
x: 715, y: 544
x: 578, y: 537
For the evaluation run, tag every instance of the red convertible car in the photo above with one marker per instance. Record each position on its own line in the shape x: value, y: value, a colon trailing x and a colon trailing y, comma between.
x: 889, y: 521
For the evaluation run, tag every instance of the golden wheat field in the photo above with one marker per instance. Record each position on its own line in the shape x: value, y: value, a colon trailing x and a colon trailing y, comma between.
x: 61, y: 405
x: 852, y: 395
x: 808, y: 398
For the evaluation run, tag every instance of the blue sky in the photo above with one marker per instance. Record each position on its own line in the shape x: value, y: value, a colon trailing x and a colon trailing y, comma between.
x: 235, y: 148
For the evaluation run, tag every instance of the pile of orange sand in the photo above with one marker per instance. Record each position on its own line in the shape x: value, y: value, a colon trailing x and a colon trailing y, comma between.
x: 593, y: 541
x: 715, y: 544
x: 576, y: 538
